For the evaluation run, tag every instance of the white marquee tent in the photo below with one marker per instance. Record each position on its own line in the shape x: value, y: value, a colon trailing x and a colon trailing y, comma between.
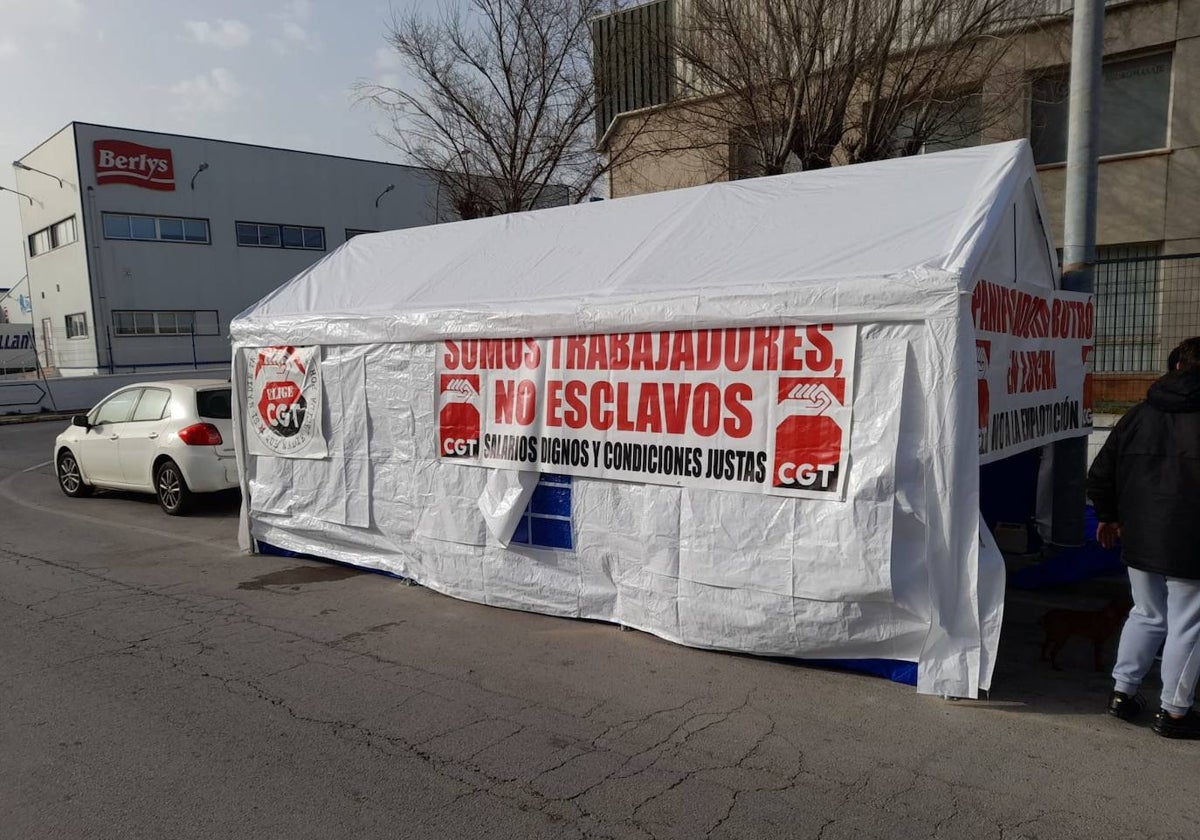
x: 891, y: 562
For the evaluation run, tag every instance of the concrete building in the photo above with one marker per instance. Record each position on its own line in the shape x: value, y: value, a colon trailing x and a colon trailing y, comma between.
x: 1148, y: 285
x: 141, y: 246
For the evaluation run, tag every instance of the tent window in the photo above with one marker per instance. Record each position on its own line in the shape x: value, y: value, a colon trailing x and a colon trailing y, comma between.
x: 546, y: 522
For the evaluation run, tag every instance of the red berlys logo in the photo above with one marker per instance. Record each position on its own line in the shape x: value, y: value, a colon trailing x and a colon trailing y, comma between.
x: 120, y: 162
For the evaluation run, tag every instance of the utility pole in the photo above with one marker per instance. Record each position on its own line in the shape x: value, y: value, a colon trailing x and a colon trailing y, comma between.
x: 1079, y: 242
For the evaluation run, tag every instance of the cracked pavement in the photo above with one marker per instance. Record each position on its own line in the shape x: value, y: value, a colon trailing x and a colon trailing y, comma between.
x: 157, y: 683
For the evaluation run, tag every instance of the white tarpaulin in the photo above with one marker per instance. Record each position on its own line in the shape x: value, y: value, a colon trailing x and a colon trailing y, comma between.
x: 865, y: 543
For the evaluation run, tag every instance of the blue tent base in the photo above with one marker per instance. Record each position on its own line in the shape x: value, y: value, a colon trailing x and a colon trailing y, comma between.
x: 1072, y: 565
x: 890, y: 669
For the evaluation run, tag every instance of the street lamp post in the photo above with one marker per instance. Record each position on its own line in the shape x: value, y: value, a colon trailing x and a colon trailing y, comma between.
x: 386, y: 190
x: 29, y: 168
x: 18, y: 192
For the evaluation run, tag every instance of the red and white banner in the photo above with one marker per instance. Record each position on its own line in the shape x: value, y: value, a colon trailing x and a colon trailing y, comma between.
x: 1033, y: 356
x: 283, y: 402
x: 756, y: 410
x: 121, y: 162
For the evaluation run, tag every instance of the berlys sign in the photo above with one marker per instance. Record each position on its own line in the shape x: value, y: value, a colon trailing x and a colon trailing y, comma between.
x: 121, y: 162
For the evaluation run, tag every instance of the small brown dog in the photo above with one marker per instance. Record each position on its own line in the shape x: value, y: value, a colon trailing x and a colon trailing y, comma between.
x: 1097, y: 625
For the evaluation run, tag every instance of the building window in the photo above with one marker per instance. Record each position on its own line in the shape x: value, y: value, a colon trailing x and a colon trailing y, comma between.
x: 259, y: 235
x: 155, y: 228
x: 546, y: 522
x: 166, y: 322
x: 77, y: 325
x: 55, y: 236
x: 1135, y: 99
x: 353, y: 232
x: 747, y: 147
x: 632, y: 61
x: 940, y: 127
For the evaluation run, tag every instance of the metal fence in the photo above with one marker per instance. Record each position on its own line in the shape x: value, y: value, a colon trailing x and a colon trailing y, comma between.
x: 72, y: 349
x: 1144, y: 307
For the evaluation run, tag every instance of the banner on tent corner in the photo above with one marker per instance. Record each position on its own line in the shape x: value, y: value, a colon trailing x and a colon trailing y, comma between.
x: 283, y: 402
x: 1033, y: 357
x: 754, y: 409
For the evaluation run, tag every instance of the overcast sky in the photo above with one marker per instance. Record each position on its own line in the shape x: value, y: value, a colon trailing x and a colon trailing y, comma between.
x: 276, y: 72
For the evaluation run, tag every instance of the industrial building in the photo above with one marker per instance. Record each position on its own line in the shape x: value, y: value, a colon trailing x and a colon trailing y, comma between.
x: 141, y: 246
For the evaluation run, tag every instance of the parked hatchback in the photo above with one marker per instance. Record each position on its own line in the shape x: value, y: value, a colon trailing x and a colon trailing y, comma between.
x: 172, y: 439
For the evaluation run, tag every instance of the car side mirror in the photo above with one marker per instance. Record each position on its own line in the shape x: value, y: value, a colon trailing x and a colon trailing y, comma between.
x: 81, y: 420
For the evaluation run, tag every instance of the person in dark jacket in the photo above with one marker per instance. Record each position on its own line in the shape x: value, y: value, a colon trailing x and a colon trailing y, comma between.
x: 1145, y: 484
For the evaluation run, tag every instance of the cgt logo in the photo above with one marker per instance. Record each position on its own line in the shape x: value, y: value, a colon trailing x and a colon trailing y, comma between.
x: 459, y: 418
x: 282, y: 408
x: 808, y: 442
x: 121, y: 162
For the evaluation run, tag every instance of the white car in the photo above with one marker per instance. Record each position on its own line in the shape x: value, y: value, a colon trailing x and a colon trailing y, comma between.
x: 172, y: 439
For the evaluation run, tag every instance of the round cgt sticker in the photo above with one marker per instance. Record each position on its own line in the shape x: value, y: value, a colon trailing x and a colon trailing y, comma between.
x: 284, y: 387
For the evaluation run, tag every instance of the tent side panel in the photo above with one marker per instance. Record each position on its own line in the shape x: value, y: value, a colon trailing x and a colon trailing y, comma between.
x: 789, y: 577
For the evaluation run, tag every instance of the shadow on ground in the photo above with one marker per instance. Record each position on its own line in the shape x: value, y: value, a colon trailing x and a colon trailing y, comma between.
x: 1023, y: 681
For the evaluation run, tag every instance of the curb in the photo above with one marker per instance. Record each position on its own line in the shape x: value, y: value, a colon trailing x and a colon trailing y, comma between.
x: 14, y: 419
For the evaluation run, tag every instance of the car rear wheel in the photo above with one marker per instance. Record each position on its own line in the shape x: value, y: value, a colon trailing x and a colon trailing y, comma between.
x: 70, y: 478
x: 173, y: 494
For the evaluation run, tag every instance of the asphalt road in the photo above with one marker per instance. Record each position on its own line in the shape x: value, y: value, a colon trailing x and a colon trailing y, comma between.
x: 155, y: 683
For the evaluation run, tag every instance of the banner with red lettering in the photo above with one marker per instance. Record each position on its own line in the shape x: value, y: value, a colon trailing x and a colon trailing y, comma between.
x: 756, y: 410
x: 283, y: 402
x: 1033, y: 357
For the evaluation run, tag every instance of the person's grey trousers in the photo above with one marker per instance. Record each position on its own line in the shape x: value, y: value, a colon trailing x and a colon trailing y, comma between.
x: 1164, y: 610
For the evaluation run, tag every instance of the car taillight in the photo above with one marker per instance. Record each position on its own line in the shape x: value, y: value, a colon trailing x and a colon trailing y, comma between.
x: 201, y: 434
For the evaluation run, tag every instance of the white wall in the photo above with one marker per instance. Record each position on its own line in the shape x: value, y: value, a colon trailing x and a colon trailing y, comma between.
x: 58, y: 279
x: 80, y: 393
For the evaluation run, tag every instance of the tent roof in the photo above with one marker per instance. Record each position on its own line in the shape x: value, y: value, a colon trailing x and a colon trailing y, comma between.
x: 721, y: 254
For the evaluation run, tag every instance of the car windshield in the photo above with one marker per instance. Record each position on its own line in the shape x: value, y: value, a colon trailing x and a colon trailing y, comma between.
x: 215, y: 404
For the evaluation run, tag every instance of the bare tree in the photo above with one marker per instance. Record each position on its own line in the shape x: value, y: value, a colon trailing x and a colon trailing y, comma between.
x: 783, y: 85
x: 502, y: 101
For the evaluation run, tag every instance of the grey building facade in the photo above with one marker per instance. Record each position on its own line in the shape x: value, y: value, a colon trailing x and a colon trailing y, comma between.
x: 141, y: 246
